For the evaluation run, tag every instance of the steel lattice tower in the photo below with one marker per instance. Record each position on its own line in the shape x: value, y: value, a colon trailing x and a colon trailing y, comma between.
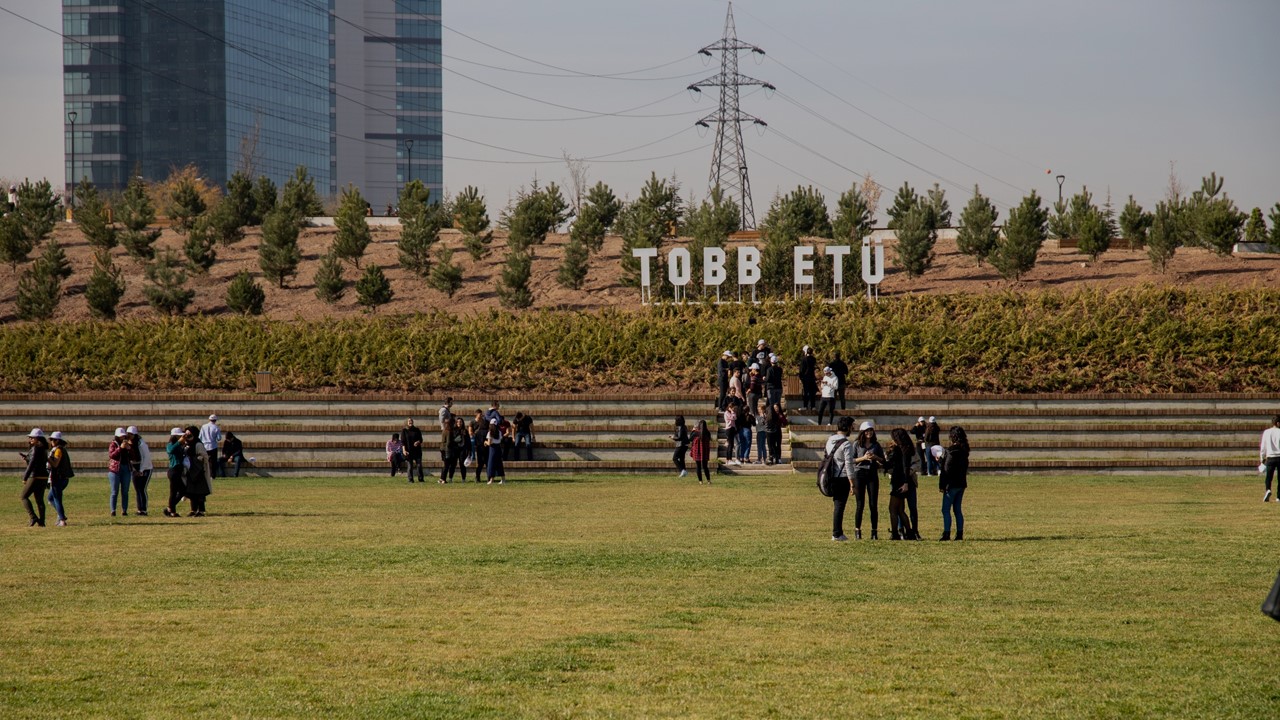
x: 729, y: 159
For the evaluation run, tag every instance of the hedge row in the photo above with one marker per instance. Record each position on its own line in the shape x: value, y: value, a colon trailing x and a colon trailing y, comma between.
x: 1143, y: 340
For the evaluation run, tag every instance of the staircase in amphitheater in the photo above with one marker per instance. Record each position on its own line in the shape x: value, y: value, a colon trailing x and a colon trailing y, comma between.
x: 313, y: 435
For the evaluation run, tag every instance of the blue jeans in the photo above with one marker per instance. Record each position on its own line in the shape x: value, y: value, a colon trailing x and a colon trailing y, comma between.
x: 524, y: 439
x: 761, y: 440
x: 933, y: 463
x: 951, y: 501
x: 55, y: 499
x: 120, y: 487
x: 744, y: 444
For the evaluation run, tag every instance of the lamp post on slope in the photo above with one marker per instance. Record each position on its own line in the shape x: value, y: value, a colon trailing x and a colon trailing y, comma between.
x: 71, y: 118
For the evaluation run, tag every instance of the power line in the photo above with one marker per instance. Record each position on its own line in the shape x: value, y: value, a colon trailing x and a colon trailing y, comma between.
x: 576, y: 76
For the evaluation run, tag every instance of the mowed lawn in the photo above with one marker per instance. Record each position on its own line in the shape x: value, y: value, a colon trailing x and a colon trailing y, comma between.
x: 643, y: 596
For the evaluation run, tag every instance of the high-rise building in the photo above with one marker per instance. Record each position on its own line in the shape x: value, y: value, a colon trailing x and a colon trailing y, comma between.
x: 350, y: 89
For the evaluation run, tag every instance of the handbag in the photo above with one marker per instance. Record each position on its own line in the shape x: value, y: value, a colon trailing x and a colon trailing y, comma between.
x: 1271, y: 606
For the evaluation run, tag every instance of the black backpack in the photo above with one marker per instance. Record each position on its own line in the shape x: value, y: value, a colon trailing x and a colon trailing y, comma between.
x: 827, y: 470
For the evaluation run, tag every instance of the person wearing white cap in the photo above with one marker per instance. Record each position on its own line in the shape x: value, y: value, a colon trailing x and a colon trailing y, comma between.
x: 932, y: 433
x: 142, y: 468
x: 868, y: 458
x: 199, y: 476
x: 211, y: 438
x: 119, y: 469
x: 722, y: 377
x: 763, y: 353
x: 753, y: 385
x: 36, y: 477
x: 808, y: 373
x: 178, y: 464
x: 922, y: 447
x: 839, y: 448
x: 773, y: 380
x: 60, y: 473
x: 830, y: 383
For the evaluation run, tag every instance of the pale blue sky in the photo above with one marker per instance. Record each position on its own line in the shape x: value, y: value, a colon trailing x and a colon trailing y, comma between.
x: 1105, y: 92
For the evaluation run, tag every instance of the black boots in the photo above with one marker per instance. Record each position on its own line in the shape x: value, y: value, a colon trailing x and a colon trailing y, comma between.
x: 960, y: 534
x: 873, y: 534
x: 946, y: 535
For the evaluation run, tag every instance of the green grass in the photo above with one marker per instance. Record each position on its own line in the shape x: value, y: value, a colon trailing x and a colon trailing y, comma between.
x: 1072, y: 597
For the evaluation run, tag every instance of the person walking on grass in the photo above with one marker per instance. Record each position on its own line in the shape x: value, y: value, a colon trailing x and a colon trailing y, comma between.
x: 700, y: 451
x: 953, y: 480
x: 199, y: 474
x: 681, y: 438
x: 868, y: 458
x: 901, y: 457
x: 411, y: 436
x: 830, y: 384
x: 494, y: 444
x: 119, y: 454
x: 36, y: 477
x: 840, y: 449
x: 60, y: 473
x: 211, y: 438
x: 808, y: 373
x: 142, y: 468
x: 1269, y: 454
x: 179, y: 461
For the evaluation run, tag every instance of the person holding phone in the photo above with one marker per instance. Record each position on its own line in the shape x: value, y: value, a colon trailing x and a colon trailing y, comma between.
x: 953, y: 480
x: 119, y: 456
x: 868, y: 458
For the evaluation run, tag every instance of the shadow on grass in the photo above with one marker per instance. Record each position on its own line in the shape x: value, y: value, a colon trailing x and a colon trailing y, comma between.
x: 1047, y: 538
x: 250, y: 513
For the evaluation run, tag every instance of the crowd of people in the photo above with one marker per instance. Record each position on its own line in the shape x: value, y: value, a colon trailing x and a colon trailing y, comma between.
x: 195, y: 456
x: 482, y: 445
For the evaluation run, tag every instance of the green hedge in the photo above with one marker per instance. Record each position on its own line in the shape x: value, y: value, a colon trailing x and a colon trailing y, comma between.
x: 1134, y: 340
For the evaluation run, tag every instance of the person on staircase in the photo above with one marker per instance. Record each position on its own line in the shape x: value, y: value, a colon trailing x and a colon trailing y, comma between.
x: 746, y: 421
x: 830, y: 386
x: 922, y: 447
x: 773, y: 380
x: 731, y: 430
x: 808, y: 373
x: 868, y: 458
x: 953, y: 480
x: 777, y: 425
x: 932, y: 437
x: 524, y: 435
x: 395, y: 453
x: 762, y: 432
x: 722, y: 378
x: 841, y: 371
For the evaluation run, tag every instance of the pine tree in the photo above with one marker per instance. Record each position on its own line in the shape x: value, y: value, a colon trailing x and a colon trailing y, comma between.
x: 473, y: 220
x: 803, y: 212
x: 533, y: 214
x: 1255, y: 230
x: 40, y: 290
x: 640, y: 227
x: 978, y: 235
x: 1134, y: 224
x: 573, y: 269
x: 853, y: 222
x: 14, y: 245
x: 1216, y: 221
x: 606, y: 204
x: 329, y: 280
x: 278, y: 255
x: 1164, y: 236
x: 1094, y: 233
x: 708, y: 225
x: 55, y: 261
x: 241, y: 207
x: 135, y: 213
x: 199, y: 247
x: 1024, y: 234
x: 299, y: 195
x: 373, y: 289
x: 264, y: 200
x: 167, y: 292
x: 105, y: 288
x: 513, y: 288
x: 419, y: 228
x: 446, y: 276
x: 903, y: 202
x: 245, y: 296
x: 224, y: 223
x: 936, y: 199
x: 37, y: 211
x: 662, y: 197
x: 91, y: 217
x: 185, y: 204
x: 778, y: 255
x: 353, y: 235
x: 1274, y: 238
x: 595, y: 217
x: 915, y: 240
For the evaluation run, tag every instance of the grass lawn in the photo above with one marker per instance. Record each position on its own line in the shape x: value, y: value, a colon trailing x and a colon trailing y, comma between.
x: 1072, y: 597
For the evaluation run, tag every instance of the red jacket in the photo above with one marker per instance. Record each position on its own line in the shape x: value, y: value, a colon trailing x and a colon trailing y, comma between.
x: 115, y: 455
x: 700, y: 449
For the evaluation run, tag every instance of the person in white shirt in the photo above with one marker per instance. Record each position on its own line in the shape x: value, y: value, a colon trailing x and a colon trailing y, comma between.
x: 211, y: 438
x: 843, y: 449
x: 830, y: 383
x: 1269, y: 453
x: 142, y: 476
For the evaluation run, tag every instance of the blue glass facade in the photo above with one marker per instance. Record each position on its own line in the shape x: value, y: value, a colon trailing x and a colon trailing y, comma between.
x: 419, y: 87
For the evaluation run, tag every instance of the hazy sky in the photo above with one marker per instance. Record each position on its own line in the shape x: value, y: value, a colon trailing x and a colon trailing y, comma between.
x: 994, y: 92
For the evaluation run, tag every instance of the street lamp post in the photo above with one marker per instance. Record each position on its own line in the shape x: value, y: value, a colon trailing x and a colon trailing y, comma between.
x: 1061, y: 179
x: 71, y: 118
x: 408, y: 151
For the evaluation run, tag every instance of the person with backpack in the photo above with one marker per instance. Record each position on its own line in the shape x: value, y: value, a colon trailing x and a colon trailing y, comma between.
x: 953, y: 480
x: 868, y: 458
x: 60, y: 473
x: 36, y: 477
x: 833, y: 475
x: 700, y: 451
x: 901, y: 458
x: 681, y: 438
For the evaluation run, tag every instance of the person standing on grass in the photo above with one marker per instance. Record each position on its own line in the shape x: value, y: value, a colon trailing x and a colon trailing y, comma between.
x: 922, y: 447
x: 841, y: 371
x: 762, y: 433
x: 232, y: 452
x: 462, y: 444
x: 932, y: 435
x: 479, y: 453
x: 700, y: 451
x: 179, y: 461
x: 777, y: 424
x: 808, y: 373
x: 901, y: 456
x: 199, y: 475
x: 211, y: 438
x: 451, y: 446
x: 731, y: 430
x: 36, y: 477
x: 868, y: 457
x: 142, y: 468
x: 953, y: 480
x: 119, y: 453
x: 839, y: 448
x: 411, y: 436
x: 829, y: 387
x: 494, y: 444
x: 746, y: 420
x: 395, y: 453
x: 524, y: 434
x: 60, y: 473
x: 681, y: 438
x: 1269, y: 454
x: 723, y: 368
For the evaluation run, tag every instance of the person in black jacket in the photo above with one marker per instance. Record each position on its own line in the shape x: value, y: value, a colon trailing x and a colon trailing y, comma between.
x: 841, y: 372
x: 722, y: 378
x: 411, y: 436
x: 900, y: 458
x: 36, y: 478
x: 952, y: 482
x: 773, y: 381
x: 808, y: 379
x: 932, y: 437
x: 479, y: 453
x: 868, y: 457
x: 681, y: 438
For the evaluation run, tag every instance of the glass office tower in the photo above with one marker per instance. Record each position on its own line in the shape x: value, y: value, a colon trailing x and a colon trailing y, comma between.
x: 228, y: 85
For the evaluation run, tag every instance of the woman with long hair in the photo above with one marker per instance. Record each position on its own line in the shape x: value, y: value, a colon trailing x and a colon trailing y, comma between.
x: 868, y: 456
x: 178, y: 464
x: 36, y: 477
x: 731, y: 427
x: 746, y: 420
x: 953, y: 480
x: 462, y: 444
x: 681, y: 438
x: 762, y: 432
x: 900, y: 456
x: 494, y: 444
x: 776, y: 424
x: 700, y: 451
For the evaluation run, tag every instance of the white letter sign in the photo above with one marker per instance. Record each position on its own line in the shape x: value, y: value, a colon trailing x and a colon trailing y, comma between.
x: 748, y: 265
x: 645, y: 255
x: 837, y: 253
x: 679, y: 267
x: 713, y: 274
x: 872, y: 277
x: 803, y: 265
